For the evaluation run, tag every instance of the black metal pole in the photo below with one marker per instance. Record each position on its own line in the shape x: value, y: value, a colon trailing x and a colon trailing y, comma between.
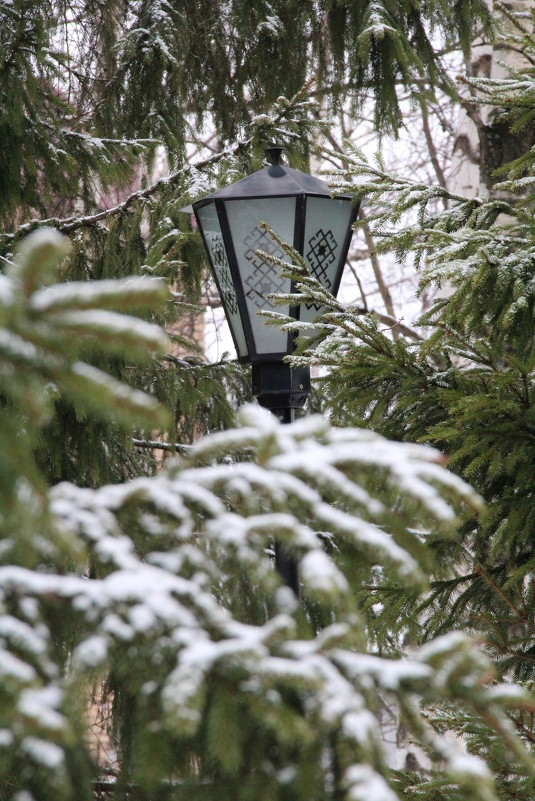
x: 282, y: 389
x: 286, y: 565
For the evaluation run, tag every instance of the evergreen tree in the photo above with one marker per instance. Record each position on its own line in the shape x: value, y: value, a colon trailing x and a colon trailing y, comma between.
x: 163, y: 586
x: 222, y: 684
x: 91, y: 92
x: 462, y: 380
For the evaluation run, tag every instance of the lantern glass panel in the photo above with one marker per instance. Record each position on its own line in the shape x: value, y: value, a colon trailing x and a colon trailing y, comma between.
x: 216, y: 250
x: 258, y: 277
x: 326, y: 229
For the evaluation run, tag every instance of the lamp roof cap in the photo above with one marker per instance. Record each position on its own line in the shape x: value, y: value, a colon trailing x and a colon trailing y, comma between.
x: 275, y: 180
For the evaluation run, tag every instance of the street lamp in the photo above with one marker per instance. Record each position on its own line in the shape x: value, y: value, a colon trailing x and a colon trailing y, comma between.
x: 300, y: 209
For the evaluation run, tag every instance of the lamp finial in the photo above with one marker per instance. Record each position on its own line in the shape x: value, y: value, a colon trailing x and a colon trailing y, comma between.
x: 274, y: 153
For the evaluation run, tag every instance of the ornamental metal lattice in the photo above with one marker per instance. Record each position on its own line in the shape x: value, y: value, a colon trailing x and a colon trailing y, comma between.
x: 266, y: 277
x: 221, y: 266
x: 320, y: 256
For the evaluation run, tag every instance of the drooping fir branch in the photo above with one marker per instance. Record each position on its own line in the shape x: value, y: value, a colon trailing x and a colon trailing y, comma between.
x: 391, y: 199
x: 293, y: 114
x: 480, y: 242
x: 146, y: 235
x: 308, y: 287
x: 510, y: 101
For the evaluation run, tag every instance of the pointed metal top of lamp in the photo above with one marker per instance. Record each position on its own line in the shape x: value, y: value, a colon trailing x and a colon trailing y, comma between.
x: 275, y: 180
x: 274, y: 153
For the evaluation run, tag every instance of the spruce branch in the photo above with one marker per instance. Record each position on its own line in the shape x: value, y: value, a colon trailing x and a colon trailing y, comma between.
x: 153, y: 444
x: 309, y: 288
x: 481, y: 572
x: 282, y: 111
x: 514, y: 18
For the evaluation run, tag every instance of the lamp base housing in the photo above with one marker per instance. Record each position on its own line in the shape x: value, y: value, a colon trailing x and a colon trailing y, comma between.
x: 276, y: 385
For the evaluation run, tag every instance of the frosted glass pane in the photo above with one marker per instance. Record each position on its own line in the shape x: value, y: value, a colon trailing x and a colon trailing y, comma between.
x: 327, y: 223
x: 258, y: 277
x: 218, y: 257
